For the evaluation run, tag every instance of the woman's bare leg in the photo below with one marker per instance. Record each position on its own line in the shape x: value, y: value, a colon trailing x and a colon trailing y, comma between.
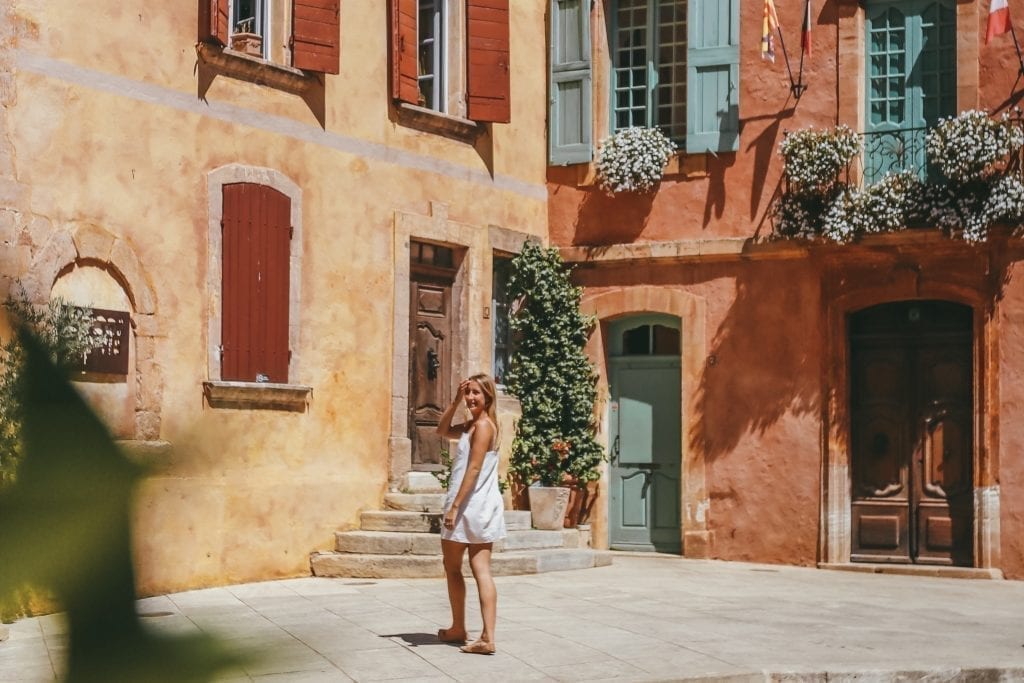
x: 480, y: 562
x: 452, y: 552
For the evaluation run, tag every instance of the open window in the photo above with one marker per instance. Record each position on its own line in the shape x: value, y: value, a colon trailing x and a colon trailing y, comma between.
x: 304, y: 34
x: 452, y: 63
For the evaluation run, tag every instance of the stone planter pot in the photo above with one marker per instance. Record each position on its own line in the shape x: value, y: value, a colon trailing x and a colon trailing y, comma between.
x: 548, y: 505
x: 248, y: 43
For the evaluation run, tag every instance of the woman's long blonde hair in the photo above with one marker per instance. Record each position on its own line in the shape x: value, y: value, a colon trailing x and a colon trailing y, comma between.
x: 487, y: 385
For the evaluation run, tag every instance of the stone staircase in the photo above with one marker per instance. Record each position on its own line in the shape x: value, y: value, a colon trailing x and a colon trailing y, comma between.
x: 404, y: 541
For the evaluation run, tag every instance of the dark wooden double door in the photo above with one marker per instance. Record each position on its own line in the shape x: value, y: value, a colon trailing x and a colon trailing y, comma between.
x: 912, y: 411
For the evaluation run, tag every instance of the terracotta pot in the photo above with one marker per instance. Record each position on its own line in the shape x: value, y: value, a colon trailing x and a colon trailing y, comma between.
x: 581, y: 502
x: 547, y: 506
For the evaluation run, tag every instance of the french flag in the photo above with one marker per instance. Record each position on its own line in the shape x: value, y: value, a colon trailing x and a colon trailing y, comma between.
x: 998, y: 19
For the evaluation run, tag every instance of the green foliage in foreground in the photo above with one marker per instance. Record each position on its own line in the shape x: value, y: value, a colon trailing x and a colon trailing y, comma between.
x: 550, y: 373
x: 63, y: 333
x: 66, y: 528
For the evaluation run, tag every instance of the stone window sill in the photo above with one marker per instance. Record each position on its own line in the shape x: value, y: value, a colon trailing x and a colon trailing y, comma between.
x: 430, y: 121
x: 245, y: 67
x: 257, y: 396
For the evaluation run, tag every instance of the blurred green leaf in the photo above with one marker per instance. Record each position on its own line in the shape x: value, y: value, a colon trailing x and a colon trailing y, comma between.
x: 67, y: 528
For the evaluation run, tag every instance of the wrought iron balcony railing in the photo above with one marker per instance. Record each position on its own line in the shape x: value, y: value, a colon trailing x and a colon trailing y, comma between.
x: 892, y: 151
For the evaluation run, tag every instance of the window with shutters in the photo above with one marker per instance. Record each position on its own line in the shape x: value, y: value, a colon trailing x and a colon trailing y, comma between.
x: 255, y: 275
x: 451, y: 57
x: 303, y: 34
x: 255, y: 281
x: 673, y: 65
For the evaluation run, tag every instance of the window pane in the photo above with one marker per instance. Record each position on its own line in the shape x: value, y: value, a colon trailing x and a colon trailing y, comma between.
x: 504, y: 344
x: 431, y: 51
x: 670, y: 95
x: 666, y: 341
x: 637, y: 341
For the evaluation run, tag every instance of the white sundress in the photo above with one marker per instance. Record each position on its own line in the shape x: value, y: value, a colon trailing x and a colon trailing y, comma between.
x: 481, y: 518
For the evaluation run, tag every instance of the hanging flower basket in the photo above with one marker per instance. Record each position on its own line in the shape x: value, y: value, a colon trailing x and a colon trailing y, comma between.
x: 633, y: 160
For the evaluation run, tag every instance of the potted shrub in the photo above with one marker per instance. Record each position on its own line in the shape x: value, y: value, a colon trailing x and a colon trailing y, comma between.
x: 554, y: 448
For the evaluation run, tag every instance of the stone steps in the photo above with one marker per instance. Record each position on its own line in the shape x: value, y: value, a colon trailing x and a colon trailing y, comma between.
x: 403, y: 541
x: 369, y: 566
x: 420, y: 543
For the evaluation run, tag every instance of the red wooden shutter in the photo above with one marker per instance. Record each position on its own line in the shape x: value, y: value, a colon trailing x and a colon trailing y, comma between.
x: 487, y: 61
x: 255, y: 283
x: 404, y: 70
x: 213, y: 21
x: 316, y: 35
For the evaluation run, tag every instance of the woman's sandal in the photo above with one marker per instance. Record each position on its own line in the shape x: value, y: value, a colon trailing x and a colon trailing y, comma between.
x: 478, y: 647
x: 442, y: 635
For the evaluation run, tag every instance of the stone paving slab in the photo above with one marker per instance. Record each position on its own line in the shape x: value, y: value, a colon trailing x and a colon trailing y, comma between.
x: 654, y: 618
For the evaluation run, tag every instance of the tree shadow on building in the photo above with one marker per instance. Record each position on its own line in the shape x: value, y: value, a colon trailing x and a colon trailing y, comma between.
x: 764, y: 358
x: 604, y: 219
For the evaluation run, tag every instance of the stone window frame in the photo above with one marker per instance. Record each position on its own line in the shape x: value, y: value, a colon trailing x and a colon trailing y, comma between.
x: 471, y: 296
x: 291, y: 396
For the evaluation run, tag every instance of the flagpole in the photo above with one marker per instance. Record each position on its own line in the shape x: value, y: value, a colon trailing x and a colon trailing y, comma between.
x: 799, y: 87
x: 793, y: 87
x: 1016, y: 45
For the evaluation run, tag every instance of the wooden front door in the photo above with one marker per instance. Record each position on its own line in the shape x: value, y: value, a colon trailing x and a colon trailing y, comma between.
x: 912, y: 433
x: 430, y: 350
x: 644, y: 434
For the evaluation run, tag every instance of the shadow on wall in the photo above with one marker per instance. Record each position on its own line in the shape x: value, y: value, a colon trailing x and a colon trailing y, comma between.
x: 604, y: 219
x: 755, y: 373
x: 764, y: 146
x: 715, y: 199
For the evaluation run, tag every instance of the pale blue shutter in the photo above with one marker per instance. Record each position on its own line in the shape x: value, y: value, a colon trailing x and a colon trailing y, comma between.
x: 713, y: 76
x: 569, y: 117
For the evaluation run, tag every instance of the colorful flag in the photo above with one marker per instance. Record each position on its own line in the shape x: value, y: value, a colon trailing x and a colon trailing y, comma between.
x: 805, y: 30
x: 768, y: 29
x: 998, y: 19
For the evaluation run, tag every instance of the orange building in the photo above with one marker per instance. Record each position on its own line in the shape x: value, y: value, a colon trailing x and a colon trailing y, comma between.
x: 783, y: 400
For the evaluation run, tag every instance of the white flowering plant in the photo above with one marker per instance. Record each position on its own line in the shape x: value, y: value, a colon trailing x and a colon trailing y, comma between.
x: 633, y: 160
x: 977, y: 156
x: 973, y: 146
x: 814, y: 158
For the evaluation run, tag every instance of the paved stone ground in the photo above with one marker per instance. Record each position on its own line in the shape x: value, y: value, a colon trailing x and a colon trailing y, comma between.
x: 641, y: 619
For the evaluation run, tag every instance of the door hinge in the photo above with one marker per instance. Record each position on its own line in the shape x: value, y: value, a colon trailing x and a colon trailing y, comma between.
x: 291, y: 232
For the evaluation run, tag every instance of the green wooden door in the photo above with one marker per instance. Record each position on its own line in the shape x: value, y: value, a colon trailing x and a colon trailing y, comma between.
x: 911, y: 84
x: 645, y: 420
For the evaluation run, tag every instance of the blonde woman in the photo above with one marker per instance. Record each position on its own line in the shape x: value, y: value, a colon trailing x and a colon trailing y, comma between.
x: 474, y: 513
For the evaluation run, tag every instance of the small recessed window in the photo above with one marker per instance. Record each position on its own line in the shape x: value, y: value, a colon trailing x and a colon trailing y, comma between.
x: 650, y: 340
x: 426, y: 254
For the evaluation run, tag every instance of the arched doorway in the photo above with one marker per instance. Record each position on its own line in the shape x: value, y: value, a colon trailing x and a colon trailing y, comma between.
x: 644, y: 433
x: 912, y: 437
